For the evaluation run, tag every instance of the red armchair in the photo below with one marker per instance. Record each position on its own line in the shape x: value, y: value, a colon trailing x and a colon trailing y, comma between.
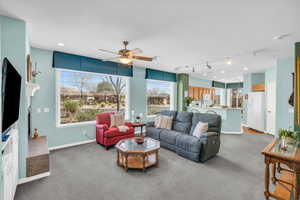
x: 107, y: 135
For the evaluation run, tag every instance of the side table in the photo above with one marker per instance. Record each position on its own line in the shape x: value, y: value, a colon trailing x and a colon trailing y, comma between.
x: 139, y: 124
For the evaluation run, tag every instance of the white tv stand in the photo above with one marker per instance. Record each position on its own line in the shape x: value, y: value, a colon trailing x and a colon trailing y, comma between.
x: 10, y: 151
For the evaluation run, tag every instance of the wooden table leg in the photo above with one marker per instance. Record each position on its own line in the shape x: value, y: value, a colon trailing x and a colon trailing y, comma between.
x: 296, y: 192
x: 157, y: 157
x: 118, y: 157
x: 274, y: 173
x: 278, y: 168
x: 144, y: 157
x: 267, y: 179
x: 126, y: 162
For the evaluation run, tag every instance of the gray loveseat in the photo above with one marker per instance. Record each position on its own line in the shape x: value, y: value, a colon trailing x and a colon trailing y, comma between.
x: 180, y: 139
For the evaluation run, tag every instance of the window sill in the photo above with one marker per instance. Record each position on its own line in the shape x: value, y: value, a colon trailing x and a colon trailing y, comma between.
x: 76, y: 124
x: 151, y: 116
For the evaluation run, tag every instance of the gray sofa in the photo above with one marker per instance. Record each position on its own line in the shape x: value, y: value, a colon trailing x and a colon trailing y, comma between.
x: 180, y: 139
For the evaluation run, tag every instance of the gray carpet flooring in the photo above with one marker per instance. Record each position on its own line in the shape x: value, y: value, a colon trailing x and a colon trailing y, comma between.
x: 88, y: 172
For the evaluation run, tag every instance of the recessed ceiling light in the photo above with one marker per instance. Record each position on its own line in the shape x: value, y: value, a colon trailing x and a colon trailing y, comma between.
x: 228, y: 61
x: 222, y: 71
x: 215, y: 76
x: 60, y: 44
x: 204, y: 74
x: 246, y: 68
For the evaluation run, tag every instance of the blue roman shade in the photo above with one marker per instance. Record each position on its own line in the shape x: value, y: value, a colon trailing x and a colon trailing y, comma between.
x: 160, y: 75
x: 217, y: 84
x: 234, y: 85
x: 63, y: 60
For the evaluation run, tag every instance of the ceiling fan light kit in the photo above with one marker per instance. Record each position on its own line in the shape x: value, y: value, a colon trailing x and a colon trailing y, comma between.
x: 127, y: 56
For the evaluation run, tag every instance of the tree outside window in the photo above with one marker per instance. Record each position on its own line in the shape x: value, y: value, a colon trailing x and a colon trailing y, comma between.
x: 84, y: 95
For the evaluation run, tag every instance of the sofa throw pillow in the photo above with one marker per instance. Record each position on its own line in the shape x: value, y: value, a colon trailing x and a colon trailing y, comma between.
x: 168, y: 122
x: 200, y: 128
x: 162, y: 121
x: 157, y: 121
x: 116, y: 120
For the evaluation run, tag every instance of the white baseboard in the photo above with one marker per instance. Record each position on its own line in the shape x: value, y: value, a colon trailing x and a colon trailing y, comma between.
x: 71, y: 145
x: 33, y: 178
x: 232, y: 132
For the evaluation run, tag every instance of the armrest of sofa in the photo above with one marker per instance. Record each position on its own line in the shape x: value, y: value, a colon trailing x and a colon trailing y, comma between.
x: 150, y: 124
x: 102, y: 126
x: 210, y: 145
x: 129, y: 124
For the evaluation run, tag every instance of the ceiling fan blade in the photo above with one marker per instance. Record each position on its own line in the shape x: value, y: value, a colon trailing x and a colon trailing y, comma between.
x: 107, y: 51
x: 136, y: 51
x: 142, y: 58
x: 112, y: 59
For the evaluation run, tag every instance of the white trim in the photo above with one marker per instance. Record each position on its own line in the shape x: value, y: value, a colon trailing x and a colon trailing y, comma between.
x: 231, y: 132
x: 33, y: 178
x: 71, y: 145
x: 96, y: 73
x: 76, y: 124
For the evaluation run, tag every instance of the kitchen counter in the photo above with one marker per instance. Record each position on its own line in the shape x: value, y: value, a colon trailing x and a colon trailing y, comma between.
x: 231, y: 117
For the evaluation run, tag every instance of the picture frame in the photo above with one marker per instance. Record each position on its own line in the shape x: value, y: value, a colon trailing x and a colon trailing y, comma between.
x: 29, y: 68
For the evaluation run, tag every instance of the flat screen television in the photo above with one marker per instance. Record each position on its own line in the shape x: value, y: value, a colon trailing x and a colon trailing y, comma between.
x: 11, y: 89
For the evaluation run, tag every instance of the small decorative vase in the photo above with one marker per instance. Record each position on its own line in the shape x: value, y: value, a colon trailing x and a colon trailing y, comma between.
x: 284, y: 143
x: 36, y: 133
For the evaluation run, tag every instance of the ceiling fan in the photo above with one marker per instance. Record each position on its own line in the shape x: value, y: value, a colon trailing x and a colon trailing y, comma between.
x: 126, y: 56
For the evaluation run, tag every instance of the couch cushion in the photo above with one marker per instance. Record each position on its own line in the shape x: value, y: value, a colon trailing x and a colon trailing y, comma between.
x: 213, y: 120
x: 153, y: 132
x: 169, y: 136
x: 183, y: 122
x: 169, y: 113
x: 188, y: 143
x: 114, y: 132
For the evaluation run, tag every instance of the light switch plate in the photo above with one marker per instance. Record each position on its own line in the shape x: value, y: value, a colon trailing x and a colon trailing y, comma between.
x: 38, y: 110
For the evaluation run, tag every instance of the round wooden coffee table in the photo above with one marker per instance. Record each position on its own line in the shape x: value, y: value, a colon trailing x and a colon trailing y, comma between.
x: 137, y: 156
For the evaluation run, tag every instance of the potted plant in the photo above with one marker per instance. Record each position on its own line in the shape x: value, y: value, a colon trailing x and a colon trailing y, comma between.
x: 188, y: 100
x: 297, y: 136
x: 286, y: 137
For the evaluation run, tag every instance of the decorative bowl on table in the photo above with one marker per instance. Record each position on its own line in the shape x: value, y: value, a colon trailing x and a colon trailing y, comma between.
x: 139, y: 140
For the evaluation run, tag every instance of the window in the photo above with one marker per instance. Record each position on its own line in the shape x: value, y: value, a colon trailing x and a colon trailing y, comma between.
x: 220, y: 97
x: 235, y: 97
x: 159, y: 96
x: 82, y: 95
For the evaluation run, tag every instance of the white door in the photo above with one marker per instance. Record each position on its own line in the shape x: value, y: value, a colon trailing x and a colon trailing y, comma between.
x: 271, y: 107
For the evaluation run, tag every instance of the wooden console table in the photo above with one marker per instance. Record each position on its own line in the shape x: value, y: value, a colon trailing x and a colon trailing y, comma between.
x: 38, y: 156
x: 288, y: 181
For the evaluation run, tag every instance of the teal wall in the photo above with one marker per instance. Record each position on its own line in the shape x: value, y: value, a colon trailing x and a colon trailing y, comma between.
x: 46, y: 98
x: 257, y: 78
x: 200, y: 82
x: 138, y: 91
x: 14, y: 46
x: 284, y: 88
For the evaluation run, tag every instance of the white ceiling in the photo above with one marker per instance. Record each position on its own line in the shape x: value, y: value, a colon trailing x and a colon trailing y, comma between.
x: 180, y: 33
